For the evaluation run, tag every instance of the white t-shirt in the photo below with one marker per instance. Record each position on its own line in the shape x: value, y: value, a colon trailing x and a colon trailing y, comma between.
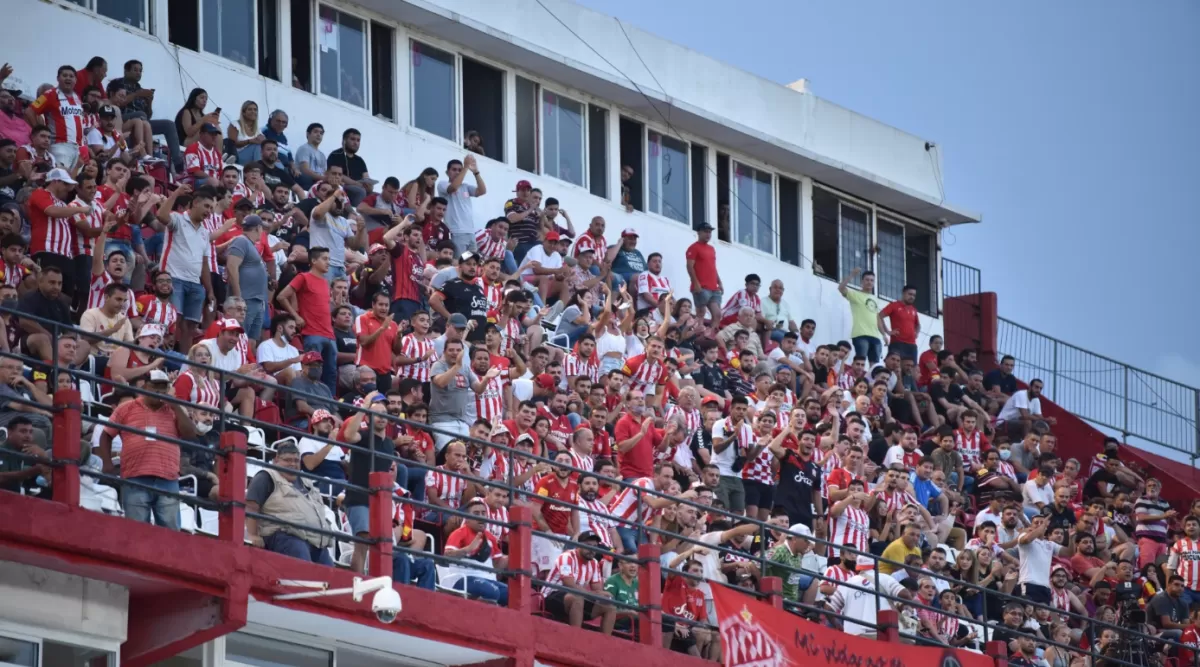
x: 226, y: 362
x: 538, y: 254
x: 1017, y: 402
x: 96, y: 138
x: 895, y: 454
x: 1035, y: 561
x: 310, y: 446
x: 269, y: 350
x: 724, y: 459
x: 853, y: 603
x: 777, y: 356
x: 1032, y: 493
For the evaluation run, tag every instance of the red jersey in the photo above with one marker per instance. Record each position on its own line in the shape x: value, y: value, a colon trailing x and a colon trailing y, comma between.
x: 494, y: 293
x: 463, y: 536
x: 560, y: 429
x: 201, y: 161
x: 198, y: 390
x: 407, y: 272
x: 96, y: 294
x: 683, y: 601
x: 705, y: 267
x: 434, y: 232
x: 602, y: 445
x: 905, y: 321
x: 1191, y: 639
x: 415, y: 347
x: 489, y: 404
x: 645, y: 375
x: 638, y: 461
x: 312, y: 297
x: 64, y: 115
x: 928, y: 366
x: 14, y: 274
x: 377, y: 355
x: 47, y: 234
x: 557, y: 516
x: 153, y: 309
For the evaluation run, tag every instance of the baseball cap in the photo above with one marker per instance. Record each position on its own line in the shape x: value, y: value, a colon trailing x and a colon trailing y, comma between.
x: 523, y: 437
x: 311, y: 357
x: 864, y: 563
x: 544, y: 380
x: 467, y: 257
x: 499, y: 429
x: 210, y: 129
x: 107, y: 111
x: 630, y: 231
x: 251, y: 221
x: 552, y: 236
x: 319, y: 416
x: 801, y: 529
x: 523, y: 185
x: 585, y: 249
x: 159, y: 376
x: 150, y: 329
x: 458, y: 321
x: 704, y: 227
x: 588, y: 536
x: 60, y: 175
x: 229, y: 324
x: 378, y: 247
x: 710, y: 400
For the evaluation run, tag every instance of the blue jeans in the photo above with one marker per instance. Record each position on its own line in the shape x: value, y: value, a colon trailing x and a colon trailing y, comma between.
x: 415, y: 482
x: 256, y: 310
x: 154, y: 245
x: 487, y: 589
x: 522, y: 249
x: 614, y: 281
x: 1190, y: 597
x: 509, y: 266
x: 409, y: 570
x: 328, y: 350
x: 335, y: 272
x: 188, y: 298
x: 290, y: 545
x: 629, y: 538
x: 777, y: 335
x: 140, y: 503
x: 869, y: 347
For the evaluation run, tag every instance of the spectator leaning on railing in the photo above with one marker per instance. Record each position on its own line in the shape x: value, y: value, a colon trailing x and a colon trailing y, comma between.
x: 290, y: 498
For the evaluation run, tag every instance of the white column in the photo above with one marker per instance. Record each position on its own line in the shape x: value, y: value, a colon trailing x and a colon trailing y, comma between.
x: 284, y: 42
x: 402, y: 68
x: 806, y: 223
x: 510, y: 117
x: 614, y: 154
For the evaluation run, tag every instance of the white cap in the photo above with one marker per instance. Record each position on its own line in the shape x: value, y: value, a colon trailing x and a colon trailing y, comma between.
x: 801, y: 529
x: 159, y: 376
x: 150, y: 329
x: 865, y: 563
x: 60, y: 175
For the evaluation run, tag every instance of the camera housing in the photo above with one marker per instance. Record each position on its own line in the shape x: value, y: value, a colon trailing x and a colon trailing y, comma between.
x: 386, y: 604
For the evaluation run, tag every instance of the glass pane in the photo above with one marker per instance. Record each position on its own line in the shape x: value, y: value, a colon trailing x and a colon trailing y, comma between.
x: 743, y: 209
x: 890, y: 265
x: 343, y: 56
x: 598, y: 151
x: 855, y: 241
x: 229, y: 30
x: 433, y: 90
x: 262, y: 652
x: 668, y: 160
x: 527, y: 125
x: 129, y: 12
x: 66, y: 655
x: 18, y: 652
x: 764, y: 209
x: 562, y: 140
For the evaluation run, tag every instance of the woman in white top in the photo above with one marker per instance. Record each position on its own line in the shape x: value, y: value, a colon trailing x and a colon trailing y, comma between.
x: 612, y: 331
x: 244, y: 134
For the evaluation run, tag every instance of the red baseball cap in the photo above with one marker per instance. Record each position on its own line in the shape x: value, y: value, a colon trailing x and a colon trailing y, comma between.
x: 311, y: 357
x: 545, y: 381
x: 523, y: 185
x: 230, y: 324
x: 552, y: 236
x: 630, y: 231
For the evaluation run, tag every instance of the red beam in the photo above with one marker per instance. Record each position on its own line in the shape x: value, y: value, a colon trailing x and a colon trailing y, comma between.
x: 167, y: 624
x: 67, y: 423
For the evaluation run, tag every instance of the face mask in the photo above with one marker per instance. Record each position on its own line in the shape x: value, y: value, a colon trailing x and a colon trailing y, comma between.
x: 1005, y: 454
x: 203, y: 428
x: 314, y: 373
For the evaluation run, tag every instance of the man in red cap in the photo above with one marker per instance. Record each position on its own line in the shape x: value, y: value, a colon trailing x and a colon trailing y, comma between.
x: 228, y: 355
x: 299, y: 407
x: 543, y: 267
x: 523, y: 220
x: 320, y: 457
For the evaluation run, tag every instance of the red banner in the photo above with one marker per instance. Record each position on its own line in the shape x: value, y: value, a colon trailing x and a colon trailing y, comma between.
x: 755, y: 634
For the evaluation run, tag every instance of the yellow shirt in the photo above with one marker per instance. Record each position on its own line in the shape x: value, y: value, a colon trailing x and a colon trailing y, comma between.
x: 896, y: 551
x: 863, y: 310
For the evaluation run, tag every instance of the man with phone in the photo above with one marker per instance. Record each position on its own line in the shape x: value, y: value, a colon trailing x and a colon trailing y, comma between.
x: 139, y: 105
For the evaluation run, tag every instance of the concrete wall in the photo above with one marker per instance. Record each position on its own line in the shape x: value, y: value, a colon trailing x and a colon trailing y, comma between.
x: 37, y: 597
x: 392, y: 149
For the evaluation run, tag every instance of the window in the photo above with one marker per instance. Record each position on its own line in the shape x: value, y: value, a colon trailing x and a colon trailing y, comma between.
x: 889, y: 265
x: 841, y: 235
x: 667, y: 167
x: 598, y: 150
x: 227, y: 30
x: 302, y: 39
x: 527, y: 125
x: 250, y: 649
x: 724, y: 195
x: 342, y: 56
x: 433, y: 96
x: 753, y: 210
x: 130, y: 12
x: 483, y: 106
x: 699, y: 185
x: 268, y: 38
x: 68, y: 655
x: 854, y: 245
x: 789, y: 221
x: 562, y: 138
x: 918, y: 268
x: 383, y: 83
x: 19, y: 652
x: 632, y: 134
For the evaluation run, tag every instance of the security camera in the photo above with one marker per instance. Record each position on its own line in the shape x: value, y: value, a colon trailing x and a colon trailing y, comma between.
x: 386, y: 604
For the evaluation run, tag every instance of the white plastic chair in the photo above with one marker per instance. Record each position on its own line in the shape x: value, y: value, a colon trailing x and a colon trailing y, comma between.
x: 291, y: 439
x: 209, y: 522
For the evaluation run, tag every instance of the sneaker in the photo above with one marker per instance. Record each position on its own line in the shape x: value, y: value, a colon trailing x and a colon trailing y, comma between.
x: 552, y: 314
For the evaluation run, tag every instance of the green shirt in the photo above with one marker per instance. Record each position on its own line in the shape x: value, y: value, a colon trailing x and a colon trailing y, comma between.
x: 620, y: 591
x: 863, y: 310
x: 781, y: 557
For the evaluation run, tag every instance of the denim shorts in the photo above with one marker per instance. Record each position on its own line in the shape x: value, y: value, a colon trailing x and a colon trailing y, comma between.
x: 188, y: 299
x: 705, y: 297
x: 360, y: 519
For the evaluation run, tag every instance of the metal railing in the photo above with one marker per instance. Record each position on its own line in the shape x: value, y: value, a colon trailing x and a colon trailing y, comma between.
x: 1104, y: 391
x: 232, y: 504
x: 959, y: 279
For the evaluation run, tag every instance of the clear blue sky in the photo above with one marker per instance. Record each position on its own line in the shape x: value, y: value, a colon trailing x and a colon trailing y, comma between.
x: 1073, y: 126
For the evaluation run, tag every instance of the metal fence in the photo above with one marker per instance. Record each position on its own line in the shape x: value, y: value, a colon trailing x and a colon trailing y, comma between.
x: 959, y: 279
x: 1104, y: 391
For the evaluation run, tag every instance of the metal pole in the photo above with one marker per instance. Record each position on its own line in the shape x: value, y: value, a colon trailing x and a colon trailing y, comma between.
x: 1196, y: 423
x: 1054, y: 374
x: 1125, y: 396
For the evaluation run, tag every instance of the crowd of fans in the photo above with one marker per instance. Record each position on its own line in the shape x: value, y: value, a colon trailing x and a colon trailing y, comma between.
x: 325, y: 289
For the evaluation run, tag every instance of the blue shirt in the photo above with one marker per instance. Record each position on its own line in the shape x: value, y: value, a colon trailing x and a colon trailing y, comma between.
x: 923, y: 489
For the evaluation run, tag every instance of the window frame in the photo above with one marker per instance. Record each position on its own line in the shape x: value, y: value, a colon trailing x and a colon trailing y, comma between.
x: 585, y: 167
x: 253, y: 67
x: 888, y: 220
x: 412, y: 39
x: 735, y: 197
x: 506, y: 112
x: 647, y: 128
x: 39, y: 636
x: 89, y: 6
x: 368, y: 66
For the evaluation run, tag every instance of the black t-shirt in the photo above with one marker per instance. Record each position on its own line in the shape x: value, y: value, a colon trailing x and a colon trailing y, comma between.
x: 273, y: 176
x: 55, y: 310
x: 468, y: 300
x: 353, y: 165
x: 1091, y: 488
x: 953, y: 395
x: 1064, y: 518
x: 877, y: 450
x: 798, y: 479
x: 821, y: 374
x: 711, y: 378
x: 9, y: 192
x: 361, y: 468
x: 346, y: 341
x: 1007, y: 384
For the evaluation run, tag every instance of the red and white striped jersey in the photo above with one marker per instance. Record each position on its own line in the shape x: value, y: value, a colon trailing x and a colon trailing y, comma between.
x: 55, y: 235
x: 759, y: 470
x: 494, y: 293
x: 569, y: 564
x: 602, y: 445
x: 970, y: 446
x: 489, y: 404
x: 838, y: 573
x: 832, y: 462
x: 648, y: 283
x: 598, y: 522
x: 500, y: 471
x: 645, y: 375
x: 589, y: 242
x: 96, y: 294
x: 576, y: 365
x: 625, y: 504
x: 240, y: 192
x: 413, y: 346
x: 1005, y: 468
x: 154, y: 309
x: 14, y: 274
x: 213, y: 223
x: 198, y: 390
x: 489, y: 246
x: 847, y: 378
x: 94, y: 219
x: 500, y: 530
x: 445, y: 487
x: 581, y: 461
x: 854, y: 527
x: 895, y: 500
x: 207, y: 160
x: 740, y: 299
x: 510, y: 333
x: 691, y: 420
x: 1184, y: 559
x: 1060, y: 598
x: 64, y: 115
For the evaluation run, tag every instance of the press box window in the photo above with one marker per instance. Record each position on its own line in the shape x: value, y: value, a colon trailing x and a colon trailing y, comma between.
x: 433, y: 90
x: 667, y: 170
x: 753, y: 208
x: 226, y: 28
x: 483, y: 105
x: 342, y: 56
x: 563, y: 137
x: 132, y: 13
x: 841, y: 236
